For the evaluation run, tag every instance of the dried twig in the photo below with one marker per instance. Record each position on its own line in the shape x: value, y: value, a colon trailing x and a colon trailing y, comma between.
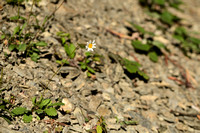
x: 184, y: 72
x: 135, y: 58
x: 177, y: 80
x: 120, y: 35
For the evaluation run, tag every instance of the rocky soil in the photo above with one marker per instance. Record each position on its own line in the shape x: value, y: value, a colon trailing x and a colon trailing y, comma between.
x: 159, y: 105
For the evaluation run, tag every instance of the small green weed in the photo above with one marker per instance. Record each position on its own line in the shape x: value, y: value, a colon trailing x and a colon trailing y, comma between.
x: 131, y: 66
x: 42, y: 107
x: 126, y: 122
x: 5, y: 106
x: 22, y: 39
x: 85, y: 62
x: 101, y: 125
x: 158, y: 9
x: 188, y: 43
x: 152, y: 47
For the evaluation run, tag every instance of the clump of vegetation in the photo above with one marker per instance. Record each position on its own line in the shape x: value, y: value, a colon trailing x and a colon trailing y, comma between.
x: 100, y: 126
x: 23, y: 40
x: 152, y: 47
x: 5, y: 106
x: 126, y: 122
x: 42, y: 107
x: 132, y: 67
x: 88, y: 59
x: 158, y: 9
x: 186, y: 42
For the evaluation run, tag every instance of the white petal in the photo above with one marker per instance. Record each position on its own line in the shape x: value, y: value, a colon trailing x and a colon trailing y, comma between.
x: 93, y: 41
x: 94, y: 47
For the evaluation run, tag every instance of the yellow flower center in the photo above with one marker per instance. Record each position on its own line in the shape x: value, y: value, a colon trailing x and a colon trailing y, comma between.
x: 90, y: 45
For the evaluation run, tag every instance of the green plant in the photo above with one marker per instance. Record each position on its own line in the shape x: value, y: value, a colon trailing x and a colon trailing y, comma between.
x: 22, y: 39
x: 101, y: 125
x: 5, y: 106
x: 188, y: 43
x: 132, y: 67
x: 152, y: 47
x: 87, y: 61
x: 126, y: 123
x: 69, y: 47
x: 158, y: 9
x: 42, y: 107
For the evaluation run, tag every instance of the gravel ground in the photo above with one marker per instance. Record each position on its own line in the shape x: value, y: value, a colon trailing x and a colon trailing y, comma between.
x: 160, y: 105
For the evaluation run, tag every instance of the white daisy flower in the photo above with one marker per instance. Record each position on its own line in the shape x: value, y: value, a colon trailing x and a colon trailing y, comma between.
x: 90, y: 45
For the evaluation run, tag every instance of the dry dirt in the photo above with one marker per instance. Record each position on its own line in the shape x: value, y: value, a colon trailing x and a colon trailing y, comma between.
x: 159, y: 105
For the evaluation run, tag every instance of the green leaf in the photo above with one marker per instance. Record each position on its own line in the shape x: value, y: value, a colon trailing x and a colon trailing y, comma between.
x: 175, y: 4
x: 34, y: 100
x: 144, y: 75
x: 24, y: 25
x: 99, y: 129
x: 63, y: 34
x: 87, y: 61
x: 96, y: 59
x: 153, y: 56
x: 139, y: 46
x: 44, y: 103
x: 194, y: 40
x: 179, y: 37
x: 158, y: 44
x: 51, y: 112
x: 89, y: 74
x: 159, y: 2
x: 16, y: 30
x: 90, y: 69
x: 83, y: 65
x: 70, y: 50
x: 153, y: 14
x: 22, y: 47
x: 167, y: 17
x: 14, y: 18
x: 131, y: 68
x: 181, y: 31
x: 81, y: 45
x: 139, y: 28
x: 35, y: 57
x: 35, y: 50
x: 59, y: 62
x: 2, y: 37
x: 126, y: 61
x: 131, y: 122
x: 11, y: 47
x: 63, y: 61
x: 27, y: 118
x: 19, y: 110
x: 41, y: 44
x: 17, y: 17
x: 39, y: 111
x: 63, y: 40
x: 88, y: 54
